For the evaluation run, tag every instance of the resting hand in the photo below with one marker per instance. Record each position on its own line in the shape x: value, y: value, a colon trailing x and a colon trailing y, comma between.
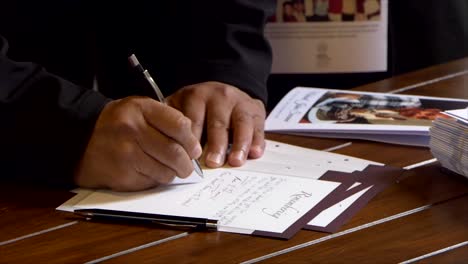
x: 224, y: 108
x: 137, y: 143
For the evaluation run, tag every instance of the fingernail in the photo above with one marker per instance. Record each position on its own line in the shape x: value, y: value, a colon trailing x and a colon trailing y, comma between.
x: 256, y: 151
x: 215, y: 158
x: 238, y: 155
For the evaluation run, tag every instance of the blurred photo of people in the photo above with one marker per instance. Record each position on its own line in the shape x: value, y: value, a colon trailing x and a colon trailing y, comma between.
x: 299, y: 10
x: 350, y: 108
x: 288, y: 12
x: 326, y: 11
x: 321, y: 8
x: 335, y: 10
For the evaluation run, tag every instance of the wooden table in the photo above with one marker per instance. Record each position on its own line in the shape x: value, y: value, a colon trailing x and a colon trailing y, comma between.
x: 425, y: 212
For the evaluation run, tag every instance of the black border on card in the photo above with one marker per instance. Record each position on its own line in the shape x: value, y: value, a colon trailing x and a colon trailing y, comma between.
x: 376, y: 177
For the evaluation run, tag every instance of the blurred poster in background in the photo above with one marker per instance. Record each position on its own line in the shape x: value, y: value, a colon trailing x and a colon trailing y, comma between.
x: 329, y: 36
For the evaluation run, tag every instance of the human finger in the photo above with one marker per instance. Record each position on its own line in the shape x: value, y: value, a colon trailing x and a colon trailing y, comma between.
x: 195, y: 111
x: 173, y: 124
x: 217, y: 127
x: 243, y: 129
x: 154, y: 170
x: 166, y: 151
x: 257, y: 148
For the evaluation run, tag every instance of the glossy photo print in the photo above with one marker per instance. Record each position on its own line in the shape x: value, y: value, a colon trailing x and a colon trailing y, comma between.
x: 352, y: 108
x: 326, y: 10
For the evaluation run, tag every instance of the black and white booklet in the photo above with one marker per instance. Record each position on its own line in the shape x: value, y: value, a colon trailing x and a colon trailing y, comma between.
x: 383, y: 117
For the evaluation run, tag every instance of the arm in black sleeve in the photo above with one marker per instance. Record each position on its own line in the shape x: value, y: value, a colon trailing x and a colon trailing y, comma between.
x: 215, y: 40
x: 45, y: 122
x: 227, y: 44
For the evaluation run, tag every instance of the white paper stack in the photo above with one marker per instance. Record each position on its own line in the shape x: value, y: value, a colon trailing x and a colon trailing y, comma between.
x: 449, y: 141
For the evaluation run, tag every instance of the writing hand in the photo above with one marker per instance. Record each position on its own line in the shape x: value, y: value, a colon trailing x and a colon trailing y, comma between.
x: 137, y: 143
x: 225, y: 109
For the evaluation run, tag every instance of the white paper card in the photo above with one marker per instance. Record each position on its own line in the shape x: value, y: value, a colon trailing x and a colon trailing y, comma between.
x: 329, y: 214
x: 240, y: 200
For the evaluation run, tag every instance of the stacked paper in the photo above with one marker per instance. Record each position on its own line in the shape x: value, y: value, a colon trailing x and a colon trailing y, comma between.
x: 449, y: 141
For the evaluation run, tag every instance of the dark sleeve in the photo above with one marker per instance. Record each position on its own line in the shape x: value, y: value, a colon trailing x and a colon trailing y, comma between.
x: 45, y: 122
x: 224, y: 41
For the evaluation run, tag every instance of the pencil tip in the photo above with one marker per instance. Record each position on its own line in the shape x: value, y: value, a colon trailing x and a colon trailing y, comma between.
x: 198, y: 168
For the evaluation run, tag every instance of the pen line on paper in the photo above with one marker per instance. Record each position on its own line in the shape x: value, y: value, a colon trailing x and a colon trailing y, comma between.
x: 338, y: 147
x: 131, y: 250
x: 37, y: 233
x: 342, y: 233
x: 438, y: 79
x: 440, y: 251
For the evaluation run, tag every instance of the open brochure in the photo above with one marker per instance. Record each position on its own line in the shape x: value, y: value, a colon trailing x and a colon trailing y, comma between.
x: 390, y: 118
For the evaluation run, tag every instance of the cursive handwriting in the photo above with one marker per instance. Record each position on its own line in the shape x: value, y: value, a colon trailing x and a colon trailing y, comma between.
x: 226, y: 183
x: 287, y: 206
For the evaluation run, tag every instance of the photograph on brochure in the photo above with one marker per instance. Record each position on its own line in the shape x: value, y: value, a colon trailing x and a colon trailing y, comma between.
x: 390, y: 118
x: 351, y: 108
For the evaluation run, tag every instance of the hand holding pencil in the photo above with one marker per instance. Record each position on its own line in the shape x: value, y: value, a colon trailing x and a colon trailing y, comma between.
x: 138, y: 143
x: 136, y: 64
